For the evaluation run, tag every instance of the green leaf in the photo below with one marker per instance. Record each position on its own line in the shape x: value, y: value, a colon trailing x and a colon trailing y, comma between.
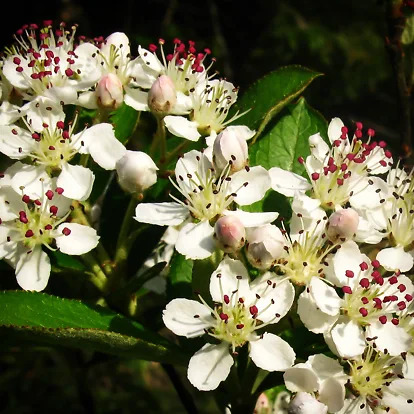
x: 38, y: 317
x: 180, y: 277
x: 269, y: 95
x: 125, y: 120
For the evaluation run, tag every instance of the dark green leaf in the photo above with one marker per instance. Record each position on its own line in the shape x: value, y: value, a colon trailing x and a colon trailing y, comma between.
x: 125, y: 120
x: 180, y: 277
x: 43, y: 318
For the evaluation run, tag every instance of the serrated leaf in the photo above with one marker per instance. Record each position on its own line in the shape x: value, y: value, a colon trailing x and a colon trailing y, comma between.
x: 56, y: 321
x: 180, y: 277
x: 125, y: 120
x: 269, y: 95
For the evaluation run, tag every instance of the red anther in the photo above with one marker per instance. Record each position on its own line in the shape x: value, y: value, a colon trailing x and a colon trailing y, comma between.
x: 375, y: 264
x: 53, y: 210
x: 176, y: 41
x: 339, y: 181
x: 38, y: 202
x: 382, y: 144
x: 350, y: 156
x: 301, y: 160
x: 383, y: 319
x: 56, y: 60
x: 349, y: 273
x: 224, y: 316
x: 19, y: 69
x: 22, y: 217
x: 51, y: 148
x: 371, y: 132
x: 253, y: 310
x: 395, y: 321
x: 50, y: 54
x: 29, y: 233
x: 315, y: 176
x: 44, y: 125
x: 358, y: 134
x: 388, y: 153
x: 325, y: 170
x: 199, y: 69
x: 359, y: 125
x: 240, y: 326
x: 66, y: 231
x: 152, y: 47
x: 192, y: 49
x: 408, y: 297
x: 346, y: 289
x: 383, y: 163
x: 34, y: 75
x: 60, y: 124
x: 59, y: 190
x: 363, y: 312
x: 363, y: 266
x: 49, y: 194
x: 69, y: 72
x: 47, y: 22
x: 401, y: 305
x: 364, y: 300
x: 169, y: 57
x: 65, y: 135
x: 378, y: 303
x: 401, y: 288
x: 393, y: 280
x: 241, y: 300
x: 16, y: 60
x: 344, y: 167
x: 48, y: 227
x: 226, y: 299
x: 207, y: 51
x: 332, y: 168
x: 344, y: 130
x: 364, y: 282
x: 337, y: 143
x: 375, y: 274
x: 26, y: 199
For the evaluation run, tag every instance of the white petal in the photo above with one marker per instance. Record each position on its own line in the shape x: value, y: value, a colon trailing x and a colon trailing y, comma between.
x: 33, y: 179
x: 44, y: 110
x: 88, y: 100
x: 135, y: 98
x: 287, y: 183
x: 271, y: 353
x: 353, y: 406
x: 9, y: 113
x: 187, y: 317
x: 81, y: 239
x: 150, y: 59
x: 209, y: 366
x: 325, y: 297
x: 367, y: 233
x: 301, y: 378
x: 326, y: 367
x: 195, y: 240
x: 392, y: 338
x: 77, y: 181
x: 349, y: 339
x: 335, y: 129
x: 229, y: 276
x: 398, y: 393
x: 332, y: 394
x: 242, y: 131
x: 182, y: 127
x: 87, y: 66
x: 369, y: 198
x: 7, y: 248
x: 258, y: 183
x: 161, y: 214
x: 10, y: 203
x: 16, y: 146
x: 101, y: 143
x: 33, y: 270
x: 193, y: 163
x: 319, y: 148
x: 252, y: 219
x: 394, y: 258
x: 315, y: 320
x: 183, y: 105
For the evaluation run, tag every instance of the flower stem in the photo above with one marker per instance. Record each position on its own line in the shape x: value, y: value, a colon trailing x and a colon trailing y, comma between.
x: 97, y: 276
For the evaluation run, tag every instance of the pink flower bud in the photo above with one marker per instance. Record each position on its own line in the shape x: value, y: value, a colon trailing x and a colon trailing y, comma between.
x: 230, y: 233
x: 162, y: 96
x: 230, y: 147
x: 110, y: 92
x: 265, y: 246
x: 136, y: 171
x: 304, y: 403
x: 343, y: 224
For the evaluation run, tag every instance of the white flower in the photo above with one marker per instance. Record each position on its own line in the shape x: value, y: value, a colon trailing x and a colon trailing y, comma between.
x: 241, y: 309
x: 304, y: 403
x: 51, y: 143
x: 207, y: 197
x: 341, y: 173
x: 369, y: 310
x: 321, y: 377
x: 48, y: 63
x: 30, y: 222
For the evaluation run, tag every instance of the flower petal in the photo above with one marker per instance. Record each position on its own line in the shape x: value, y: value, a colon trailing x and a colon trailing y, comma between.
x: 271, y: 353
x: 81, y: 239
x: 209, y: 366
x: 332, y: 394
x: 33, y: 270
x: 77, y: 181
x: 187, y: 317
x: 32, y: 179
x: 195, y: 240
x: 325, y: 296
x: 252, y: 219
x: 301, y: 378
x: 393, y: 258
x: 161, y: 214
x: 400, y: 396
x: 44, y: 111
x: 287, y: 182
x: 182, y: 127
x: 348, y: 339
x: 135, y: 98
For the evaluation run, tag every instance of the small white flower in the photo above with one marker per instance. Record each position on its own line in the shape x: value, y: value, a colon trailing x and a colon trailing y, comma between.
x: 242, y: 308
x: 208, y: 196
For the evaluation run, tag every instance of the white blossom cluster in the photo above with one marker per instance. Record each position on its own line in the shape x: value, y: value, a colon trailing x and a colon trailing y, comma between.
x: 342, y: 264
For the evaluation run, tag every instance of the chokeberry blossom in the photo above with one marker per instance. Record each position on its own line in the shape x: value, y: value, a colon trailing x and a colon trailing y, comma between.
x: 29, y: 222
x: 50, y: 143
x: 241, y: 310
x: 208, y: 196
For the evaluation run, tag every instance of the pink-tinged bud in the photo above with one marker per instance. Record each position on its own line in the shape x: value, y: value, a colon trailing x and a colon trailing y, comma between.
x: 263, y: 405
x: 162, y: 96
x: 230, y: 147
x: 343, y: 224
x: 265, y: 246
x: 110, y: 92
x: 230, y: 234
x: 136, y: 171
x: 305, y: 403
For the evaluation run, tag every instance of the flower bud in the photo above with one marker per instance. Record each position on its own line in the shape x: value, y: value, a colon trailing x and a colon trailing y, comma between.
x: 304, y: 403
x: 342, y: 224
x: 230, y: 147
x: 162, y: 96
x: 263, y: 405
x: 265, y: 246
x: 230, y: 233
x: 136, y: 171
x: 110, y: 92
